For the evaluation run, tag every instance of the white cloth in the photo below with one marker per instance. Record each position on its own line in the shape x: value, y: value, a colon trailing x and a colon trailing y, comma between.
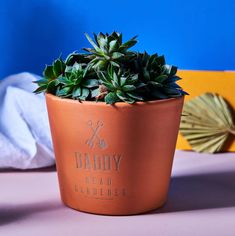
x: 25, y: 140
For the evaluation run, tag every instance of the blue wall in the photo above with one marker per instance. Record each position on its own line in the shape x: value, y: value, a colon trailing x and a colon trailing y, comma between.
x: 197, y: 34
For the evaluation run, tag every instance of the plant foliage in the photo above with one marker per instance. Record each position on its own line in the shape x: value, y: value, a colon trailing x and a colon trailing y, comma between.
x: 111, y: 72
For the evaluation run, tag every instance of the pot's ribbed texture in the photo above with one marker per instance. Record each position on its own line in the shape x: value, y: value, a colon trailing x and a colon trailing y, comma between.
x: 114, y: 160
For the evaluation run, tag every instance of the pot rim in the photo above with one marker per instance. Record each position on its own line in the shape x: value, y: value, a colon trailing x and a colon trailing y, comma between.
x: 117, y: 104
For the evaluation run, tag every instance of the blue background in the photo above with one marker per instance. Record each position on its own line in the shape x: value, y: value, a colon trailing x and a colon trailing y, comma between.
x: 196, y: 34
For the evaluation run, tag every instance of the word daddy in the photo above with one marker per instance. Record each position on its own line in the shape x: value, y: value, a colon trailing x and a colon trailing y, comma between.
x: 96, y: 162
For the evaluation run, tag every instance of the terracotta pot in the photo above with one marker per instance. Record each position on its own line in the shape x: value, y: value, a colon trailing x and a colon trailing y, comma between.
x: 114, y: 160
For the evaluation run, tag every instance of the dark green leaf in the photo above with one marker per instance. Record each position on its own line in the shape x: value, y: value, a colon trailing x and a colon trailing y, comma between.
x: 124, y: 97
x: 173, y: 79
x: 103, y: 44
x: 135, y: 96
x: 100, y: 64
x: 63, y: 92
x: 121, y: 95
x: 133, y: 79
x: 140, y: 85
x: 127, y: 88
x: 110, y: 71
x: 161, y: 78
x: 146, y: 74
x: 113, y: 45
x: 123, y: 80
x: 92, y: 42
x: 171, y: 91
x: 41, y: 82
x: 90, y: 83
x: 160, y: 60
x: 109, y: 86
x: 114, y: 64
x: 129, y: 43
x: 155, y: 84
x: 115, y: 80
x: 63, y: 80
x: 48, y: 72
x: 51, y: 87
x: 58, y: 67
x: 70, y: 57
x: 130, y: 100
x: 117, y: 55
x: 40, y: 89
x: 157, y: 94
x: 111, y: 98
x: 183, y: 92
x: 102, y: 76
x: 77, y: 92
x: 95, y: 92
x: 170, y: 70
x: 85, y: 93
x: 173, y: 85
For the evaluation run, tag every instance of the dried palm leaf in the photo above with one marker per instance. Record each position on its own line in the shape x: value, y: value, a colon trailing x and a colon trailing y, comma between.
x: 206, y: 123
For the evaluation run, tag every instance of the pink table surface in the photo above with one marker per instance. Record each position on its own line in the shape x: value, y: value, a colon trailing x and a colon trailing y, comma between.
x: 201, y: 202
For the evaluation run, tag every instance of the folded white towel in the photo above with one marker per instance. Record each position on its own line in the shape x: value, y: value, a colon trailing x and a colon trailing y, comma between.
x: 25, y: 140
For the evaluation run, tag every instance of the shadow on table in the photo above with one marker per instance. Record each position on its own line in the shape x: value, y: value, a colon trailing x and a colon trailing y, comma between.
x: 205, y: 191
x: 13, y: 213
x: 40, y: 170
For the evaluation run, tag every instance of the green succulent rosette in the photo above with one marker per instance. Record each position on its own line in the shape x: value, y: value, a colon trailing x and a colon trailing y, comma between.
x: 111, y: 72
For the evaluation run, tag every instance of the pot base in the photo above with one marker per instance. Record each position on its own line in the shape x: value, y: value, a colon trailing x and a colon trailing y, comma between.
x: 94, y: 212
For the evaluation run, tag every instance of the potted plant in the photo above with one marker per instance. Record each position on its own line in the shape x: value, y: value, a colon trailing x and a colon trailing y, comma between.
x: 114, y: 117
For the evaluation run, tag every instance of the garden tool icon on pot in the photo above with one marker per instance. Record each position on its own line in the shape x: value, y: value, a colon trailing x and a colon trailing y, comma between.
x: 95, y: 139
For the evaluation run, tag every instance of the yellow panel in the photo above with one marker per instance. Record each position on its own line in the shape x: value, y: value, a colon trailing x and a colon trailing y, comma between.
x: 198, y: 82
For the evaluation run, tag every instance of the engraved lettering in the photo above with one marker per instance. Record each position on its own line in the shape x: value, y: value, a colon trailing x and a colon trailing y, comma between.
x: 87, y: 164
x: 106, y: 163
x: 78, y: 159
x: 117, y: 160
x: 115, y: 192
x: 109, y: 192
x: 81, y: 190
x: 87, y: 190
x: 101, y: 181
x: 97, y: 163
x: 102, y: 189
x: 109, y: 181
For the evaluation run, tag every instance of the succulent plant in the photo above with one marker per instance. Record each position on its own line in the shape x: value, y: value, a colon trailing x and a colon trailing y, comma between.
x: 71, y: 82
x: 120, y: 86
x: 108, y: 49
x: 110, y: 72
x: 160, y: 78
x: 51, y: 73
